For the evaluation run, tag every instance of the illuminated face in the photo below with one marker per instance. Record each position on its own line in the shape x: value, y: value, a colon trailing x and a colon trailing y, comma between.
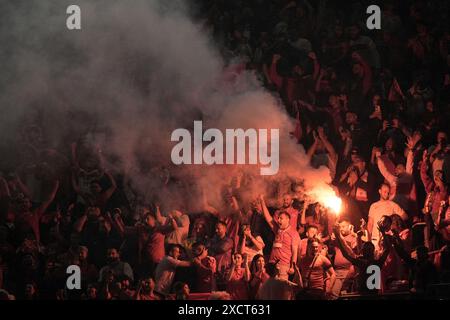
x: 175, y: 253
x: 318, y: 208
x: 260, y: 263
x: 311, y: 233
x: 400, y: 169
x: 355, y: 157
x: 360, y: 164
x: 298, y: 192
x: 150, y: 221
x: 345, y: 228
x: 238, y: 259
x: 220, y: 230
x: 384, y: 192
x: 287, y: 201
x: 186, y: 290
x: 283, y: 221
x: 314, y: 248
x: 149, y: 284
x: 199, y: 227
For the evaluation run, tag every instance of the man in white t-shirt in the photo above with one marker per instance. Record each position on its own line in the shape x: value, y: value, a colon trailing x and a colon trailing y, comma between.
x: 165, y: 271
x: 177, y: 224
x: 383, y: 207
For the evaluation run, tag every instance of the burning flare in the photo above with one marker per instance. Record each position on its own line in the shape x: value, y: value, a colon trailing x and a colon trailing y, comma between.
x: 327, y: 197
x: 334, y: 203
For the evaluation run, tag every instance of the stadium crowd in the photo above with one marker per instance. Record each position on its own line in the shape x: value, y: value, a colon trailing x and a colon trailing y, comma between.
x: 371, y: 105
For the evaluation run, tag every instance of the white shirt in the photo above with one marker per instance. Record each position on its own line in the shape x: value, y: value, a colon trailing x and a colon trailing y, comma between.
x: 179, y: 236
x: 164, y: 274
x: 383, y: 208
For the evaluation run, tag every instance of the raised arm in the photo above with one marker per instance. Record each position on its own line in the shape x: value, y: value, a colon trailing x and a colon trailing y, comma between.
x: 348, y: 146
x: 328, y: 146
x: 410, y: 161
x: 348, y: 254
x: 441, y: 221
x: 109, y: 192
x: 316, y: 64
x: 159, y: 217
x: 116, y: 222
x: 367, y: 77
x: 426, y: 180
x: 313, y: 148
x: 80, y: 223
x: 303, y: 213
x: 266, y: 212
x: 412, y: 141
x: 44, y: 205
x: 392, y: 179
x: 386, y: 248
x: 232, y: 270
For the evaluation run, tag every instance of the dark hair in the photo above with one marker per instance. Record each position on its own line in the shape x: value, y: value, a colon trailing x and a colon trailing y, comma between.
x: 285, y: 213
x: 198, y: 244
x: 312, y: 240
x: 311, y: 226
x: 344, y: 219
x: 149, y: 214
x: 384, y: 184
x: 172, y: 246
x: 398, y: 220
x: 222, y: 223
x: 253, y: 263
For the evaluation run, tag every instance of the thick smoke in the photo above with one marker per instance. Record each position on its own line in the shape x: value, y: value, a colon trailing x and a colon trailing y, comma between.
x: 134, y: 73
